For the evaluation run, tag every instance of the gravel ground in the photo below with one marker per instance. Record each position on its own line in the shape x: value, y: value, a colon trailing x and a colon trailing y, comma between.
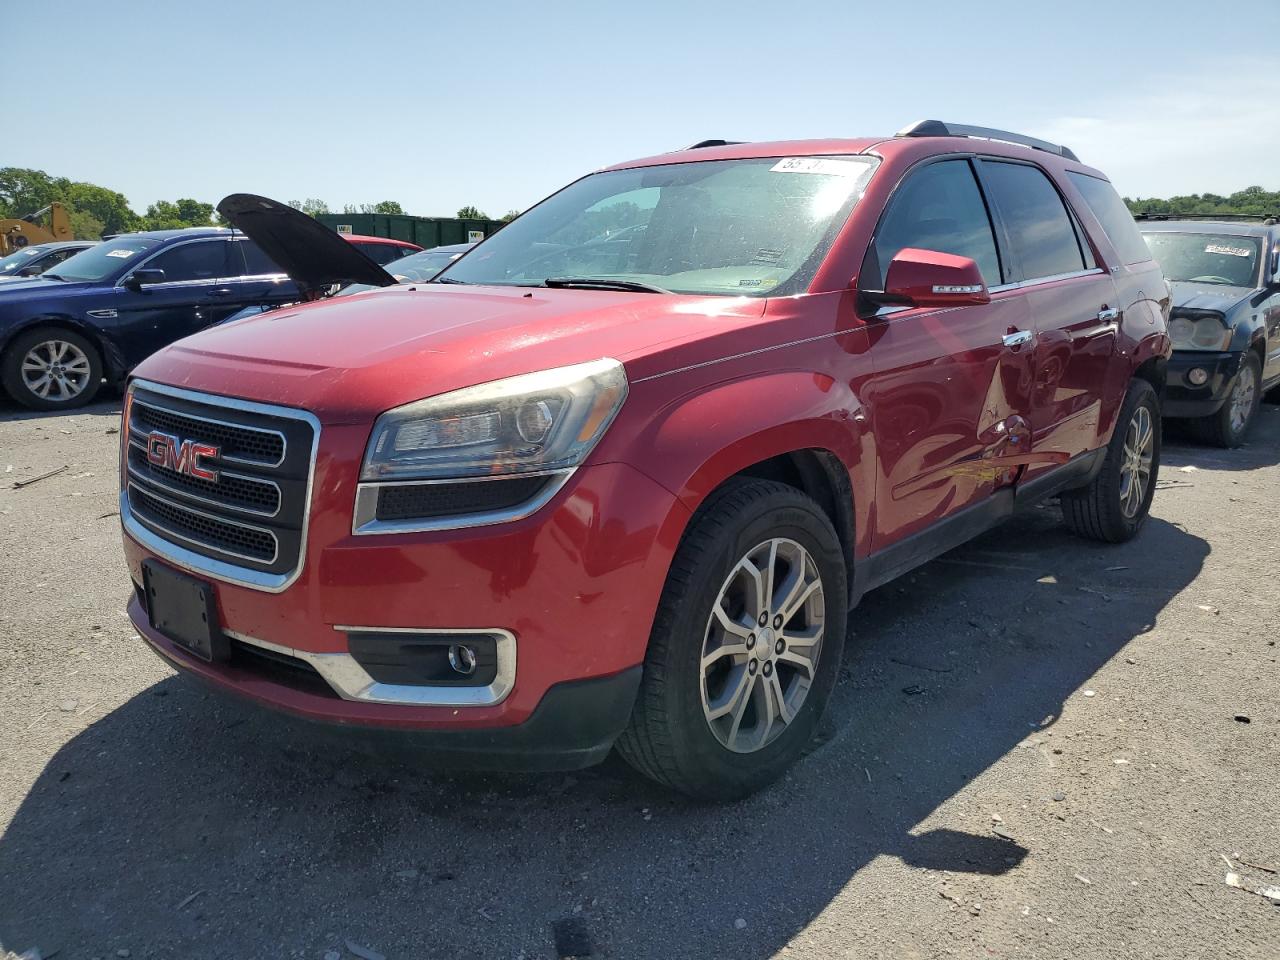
x: 1036, y: 750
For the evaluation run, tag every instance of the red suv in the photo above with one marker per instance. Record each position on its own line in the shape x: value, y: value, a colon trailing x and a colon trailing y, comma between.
x: 619, y: 474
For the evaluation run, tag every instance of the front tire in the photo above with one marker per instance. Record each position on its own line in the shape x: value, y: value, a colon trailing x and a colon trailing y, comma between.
x: 745, y: 647
x: 50, y: 368
x: 1227, y: 428
x: 1115, y: 504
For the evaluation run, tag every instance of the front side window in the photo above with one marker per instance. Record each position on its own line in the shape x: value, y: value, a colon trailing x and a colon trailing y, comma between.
x: 1117, y: 221
x: 938, y: 208
x: 1206, y: 257
x: 713, y: 227
x: 202, y: 260
x: 1044, y: 242
x: 14, y: 262
x: 104, y: 260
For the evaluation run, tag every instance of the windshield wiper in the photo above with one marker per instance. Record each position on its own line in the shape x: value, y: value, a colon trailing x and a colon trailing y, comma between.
x: 604, y: 283
x: 444, y: 280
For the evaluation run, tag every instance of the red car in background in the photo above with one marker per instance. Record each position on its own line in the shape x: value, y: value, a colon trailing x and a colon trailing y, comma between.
x: 619, y: 474
x: 381, y: 250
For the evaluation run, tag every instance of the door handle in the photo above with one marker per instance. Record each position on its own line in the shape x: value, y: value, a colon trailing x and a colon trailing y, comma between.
x: 1018, y: 338
x: 221, y: 292
x: 1107, y: 314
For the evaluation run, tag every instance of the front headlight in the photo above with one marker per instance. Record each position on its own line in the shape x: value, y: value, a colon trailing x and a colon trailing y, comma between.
x: 536, y: 422
x: 1199, y: 333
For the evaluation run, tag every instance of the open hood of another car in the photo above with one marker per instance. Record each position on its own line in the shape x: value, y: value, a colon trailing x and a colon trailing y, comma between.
x: 311, y: 254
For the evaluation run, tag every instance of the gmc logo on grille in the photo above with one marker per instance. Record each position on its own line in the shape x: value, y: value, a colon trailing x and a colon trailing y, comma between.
x: 182, y: 456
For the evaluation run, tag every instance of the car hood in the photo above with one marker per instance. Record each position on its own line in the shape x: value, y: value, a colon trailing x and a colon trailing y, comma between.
x: 1205, y: 296
x: 34, y: 288
x: 311, y: 254
x: 349, y: 359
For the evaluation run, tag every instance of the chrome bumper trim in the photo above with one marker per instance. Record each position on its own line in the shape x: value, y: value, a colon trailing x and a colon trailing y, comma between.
x: 351, y: 682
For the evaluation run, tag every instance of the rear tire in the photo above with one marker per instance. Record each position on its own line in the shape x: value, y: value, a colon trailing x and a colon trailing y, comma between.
x: 713, y: 664
x: 51, y: 368
x: 1227, y: 428
x: 1109, y: 508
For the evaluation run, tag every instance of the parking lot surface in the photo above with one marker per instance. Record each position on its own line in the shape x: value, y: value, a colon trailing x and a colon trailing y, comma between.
x: 1039, y: 747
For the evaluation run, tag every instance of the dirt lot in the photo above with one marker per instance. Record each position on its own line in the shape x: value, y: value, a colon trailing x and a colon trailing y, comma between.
x: 1036, y: 750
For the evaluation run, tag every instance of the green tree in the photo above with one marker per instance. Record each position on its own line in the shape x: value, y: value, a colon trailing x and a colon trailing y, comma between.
x: 105, y: 206
x: 311, y: 206
x: 383, y: 206
x: 509, y: 216
x: 167, y: 215
x: 471, y: 213
x: 85, y: 226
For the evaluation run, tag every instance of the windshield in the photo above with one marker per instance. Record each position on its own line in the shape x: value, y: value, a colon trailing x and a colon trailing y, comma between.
x: 103, y: 260
x: 1206, y: 257
x: 16, y: 261
x: 729, y: 227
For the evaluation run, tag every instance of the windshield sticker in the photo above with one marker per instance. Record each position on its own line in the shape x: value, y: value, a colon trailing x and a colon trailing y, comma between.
x: 1228, y: 251
x: 125, y: 254
x: 832, y: 168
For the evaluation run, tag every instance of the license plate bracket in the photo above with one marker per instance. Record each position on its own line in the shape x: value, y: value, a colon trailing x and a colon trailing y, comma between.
x: 183, y: 609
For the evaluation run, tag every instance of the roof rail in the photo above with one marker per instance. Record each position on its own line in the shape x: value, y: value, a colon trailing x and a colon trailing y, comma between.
x: 936, y: 128
x: 710, y: 143
x: 1266, y: 219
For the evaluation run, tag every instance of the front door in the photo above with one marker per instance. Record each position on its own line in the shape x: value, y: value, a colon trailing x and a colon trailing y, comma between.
x: 950, y: 390
x: 160, y: 313
x: 1072, y: 304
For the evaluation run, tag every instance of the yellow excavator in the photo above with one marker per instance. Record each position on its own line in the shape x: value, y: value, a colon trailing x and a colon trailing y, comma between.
x: 24, y: 231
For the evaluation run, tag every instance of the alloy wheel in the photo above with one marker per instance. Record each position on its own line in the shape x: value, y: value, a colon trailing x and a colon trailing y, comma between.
x: 761, y: 646
x: 1135, y: 471
x: 56, y: 370
x: 1242, y: 398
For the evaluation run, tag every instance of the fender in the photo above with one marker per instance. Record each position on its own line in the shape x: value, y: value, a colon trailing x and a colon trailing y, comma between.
x: 806, y: 410
x: 113, y: 365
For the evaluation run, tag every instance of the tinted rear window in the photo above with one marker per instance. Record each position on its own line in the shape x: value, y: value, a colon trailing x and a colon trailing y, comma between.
x: 256, y: 263
x: 1117, y: 221
x: 1040, y: 231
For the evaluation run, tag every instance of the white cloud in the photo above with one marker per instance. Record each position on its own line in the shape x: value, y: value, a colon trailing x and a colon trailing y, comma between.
x: 1212, y: 128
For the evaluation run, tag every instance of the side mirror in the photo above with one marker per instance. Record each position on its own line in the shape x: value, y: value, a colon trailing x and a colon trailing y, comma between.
x: 929, y: 278
x: 143, y: 276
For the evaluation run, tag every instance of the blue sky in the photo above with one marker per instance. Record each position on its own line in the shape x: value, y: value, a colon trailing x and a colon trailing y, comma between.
x: 499, y: 103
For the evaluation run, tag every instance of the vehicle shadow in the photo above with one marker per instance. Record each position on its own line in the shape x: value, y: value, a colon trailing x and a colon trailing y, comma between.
x: 107, y: 401
x: 1183, y: 449
x: 184, y: 825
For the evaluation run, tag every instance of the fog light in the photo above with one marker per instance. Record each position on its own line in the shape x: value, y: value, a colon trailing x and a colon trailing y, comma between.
x: 462, y: 658
x: 1198, y: 376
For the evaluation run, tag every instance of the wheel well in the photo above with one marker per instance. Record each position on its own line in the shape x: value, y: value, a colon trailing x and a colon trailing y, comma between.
x: 1154, y: 372
x: 820, y: 475
x: 59, y: 323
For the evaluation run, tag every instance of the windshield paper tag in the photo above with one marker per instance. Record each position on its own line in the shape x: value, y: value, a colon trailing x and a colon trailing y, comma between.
x: 832, y: 168
x: 121, y: 253
x: 1228, y: 251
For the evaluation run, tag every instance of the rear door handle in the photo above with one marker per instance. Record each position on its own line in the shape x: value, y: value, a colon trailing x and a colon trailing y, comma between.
x: 1019, y: 338
x: 221, y: 292
x: 1108, y: 314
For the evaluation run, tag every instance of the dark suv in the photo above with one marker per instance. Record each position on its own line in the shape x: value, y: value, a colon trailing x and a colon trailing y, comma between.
x: 103, y: 310
x: 571, y: 493
x: 1225, y: 322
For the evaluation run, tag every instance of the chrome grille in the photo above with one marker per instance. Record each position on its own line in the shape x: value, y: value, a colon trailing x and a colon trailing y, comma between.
x: 247, y: 523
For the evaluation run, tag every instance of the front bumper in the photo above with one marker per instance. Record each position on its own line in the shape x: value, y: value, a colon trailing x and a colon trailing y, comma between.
x: 576, y: 586
x: 1184, y: 398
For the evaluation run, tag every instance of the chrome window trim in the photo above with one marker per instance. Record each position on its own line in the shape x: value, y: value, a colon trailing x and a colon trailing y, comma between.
x: 1036, y: 281
x: 284, y: 443
x: 179, y: 491
x: 364, y: 520
x: 173, y: 246
x: 351, y: 681
x: 207, y: 566
x: 200, y: 543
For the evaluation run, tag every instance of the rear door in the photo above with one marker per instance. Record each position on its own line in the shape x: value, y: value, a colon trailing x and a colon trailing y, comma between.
x: 252, y: 280
x: 948, y: 395
x: 1072, y: 305
x: 161, y: 313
